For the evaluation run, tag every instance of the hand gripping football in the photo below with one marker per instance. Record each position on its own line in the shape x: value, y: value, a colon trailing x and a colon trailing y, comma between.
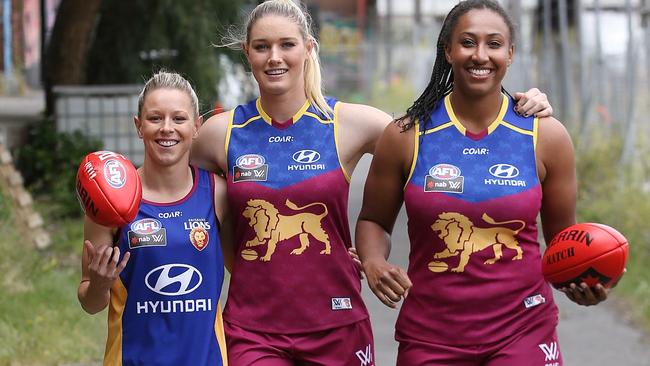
x: 586, y: 252
x: 108, y: 188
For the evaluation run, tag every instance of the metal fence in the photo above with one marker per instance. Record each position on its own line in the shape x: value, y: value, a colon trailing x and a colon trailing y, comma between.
x: 104, y: 112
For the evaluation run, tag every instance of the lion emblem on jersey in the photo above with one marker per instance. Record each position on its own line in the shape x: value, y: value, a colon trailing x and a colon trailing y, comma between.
x: 463, y: 238
x: 272, y: 228
x: 199, y: 238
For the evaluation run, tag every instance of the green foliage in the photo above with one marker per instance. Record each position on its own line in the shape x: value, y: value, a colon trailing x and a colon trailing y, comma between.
x: 128, y: 32
x: 49, y: 165
x: 615, y: 195
x: 394, y: 97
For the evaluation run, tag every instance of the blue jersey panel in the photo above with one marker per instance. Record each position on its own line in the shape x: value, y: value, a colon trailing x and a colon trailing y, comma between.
x: 262, y: 154
x: 166, y: 304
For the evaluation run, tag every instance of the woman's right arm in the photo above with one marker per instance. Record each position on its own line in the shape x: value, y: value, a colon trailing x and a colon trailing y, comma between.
x: 99, y: 267
x: 209, y: 148
x: 382, y: 199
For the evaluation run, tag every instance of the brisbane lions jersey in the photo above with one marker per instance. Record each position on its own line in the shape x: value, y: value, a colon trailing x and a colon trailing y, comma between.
x: 164, y: 307
x: 288, y: 196
x: 472, y: 203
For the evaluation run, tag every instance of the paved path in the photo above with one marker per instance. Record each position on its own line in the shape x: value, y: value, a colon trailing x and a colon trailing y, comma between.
x: 594, y: 336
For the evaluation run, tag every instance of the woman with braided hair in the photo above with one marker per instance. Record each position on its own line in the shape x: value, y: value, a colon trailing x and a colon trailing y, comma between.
x: 474, y: 175
x: 294, y: 295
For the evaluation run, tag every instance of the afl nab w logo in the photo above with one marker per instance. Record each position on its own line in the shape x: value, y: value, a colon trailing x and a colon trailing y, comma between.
x: 115, y: 174
x: 173, y: 279
x: 505, y: 171
x: 444, y: 178
x: 250, y: 167
x: 306, y: 156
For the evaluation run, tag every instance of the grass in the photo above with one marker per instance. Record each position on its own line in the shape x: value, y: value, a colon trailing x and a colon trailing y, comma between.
x: 41, y: 321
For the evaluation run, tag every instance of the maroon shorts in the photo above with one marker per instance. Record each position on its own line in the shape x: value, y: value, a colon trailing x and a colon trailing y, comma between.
x: 347, y: 345
x: 536, y: 345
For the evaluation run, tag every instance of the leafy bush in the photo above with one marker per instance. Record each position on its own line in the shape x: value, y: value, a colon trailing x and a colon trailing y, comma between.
x: 617, y: 195
x: 49, y: 165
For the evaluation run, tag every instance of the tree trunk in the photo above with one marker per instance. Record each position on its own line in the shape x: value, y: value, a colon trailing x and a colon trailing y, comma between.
x: 71, y: 37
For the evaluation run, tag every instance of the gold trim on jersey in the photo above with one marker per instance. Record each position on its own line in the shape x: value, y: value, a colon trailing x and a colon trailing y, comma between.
x: 116, y: 304
x: 535, y: 132
x: 317, y: 117
x: 220, y: 334
x: 335, y: 121
x: 416, y: 148
x: 269, y: 120
x: 491, y: 127
x: 252, y: 119
x: 517, y: 129
x: 228, y: 131
x: 436, y: 129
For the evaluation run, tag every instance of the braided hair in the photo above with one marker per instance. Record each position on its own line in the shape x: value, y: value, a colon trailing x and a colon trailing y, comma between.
x: 442, y: 77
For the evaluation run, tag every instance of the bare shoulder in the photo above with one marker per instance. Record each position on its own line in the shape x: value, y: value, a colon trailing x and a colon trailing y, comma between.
x: 554, y: 148
x: 552, y: 134
x: 394, y: 132
x: 360, y: 127
x: 363, y: 114
x: 209, y: 148
x: 216, y: 125
x: 397, y: 145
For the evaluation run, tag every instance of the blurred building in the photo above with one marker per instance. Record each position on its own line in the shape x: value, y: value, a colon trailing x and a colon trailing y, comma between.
x: 25, y: 24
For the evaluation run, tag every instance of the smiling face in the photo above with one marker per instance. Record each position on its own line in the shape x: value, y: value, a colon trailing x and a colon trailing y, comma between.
x: 479, y: 51
x: 277, y: 51
x: 167, y: 125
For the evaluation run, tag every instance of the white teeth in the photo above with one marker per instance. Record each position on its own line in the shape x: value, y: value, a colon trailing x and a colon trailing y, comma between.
x: 167, y: 143
x: 276, y: 72
x: 479, y: 72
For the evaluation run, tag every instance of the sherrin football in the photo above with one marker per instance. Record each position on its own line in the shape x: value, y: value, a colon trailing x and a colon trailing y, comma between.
x: 586, y: 252
x: 108, y: 188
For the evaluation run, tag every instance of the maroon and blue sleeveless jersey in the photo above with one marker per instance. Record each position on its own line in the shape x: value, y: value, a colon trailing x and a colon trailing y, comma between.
x: 472, y: 204
x: 288, y: 196
x: 164, y: 307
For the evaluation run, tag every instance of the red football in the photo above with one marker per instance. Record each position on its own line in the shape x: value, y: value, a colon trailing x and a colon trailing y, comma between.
x: 588, y: 252
x: 108, y: 188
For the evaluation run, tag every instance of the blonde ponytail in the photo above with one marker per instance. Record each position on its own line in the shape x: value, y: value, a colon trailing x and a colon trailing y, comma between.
x: 313, y: 82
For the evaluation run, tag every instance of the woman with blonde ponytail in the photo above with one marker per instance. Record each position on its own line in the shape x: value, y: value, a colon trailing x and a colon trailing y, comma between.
x: 287, y: 156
